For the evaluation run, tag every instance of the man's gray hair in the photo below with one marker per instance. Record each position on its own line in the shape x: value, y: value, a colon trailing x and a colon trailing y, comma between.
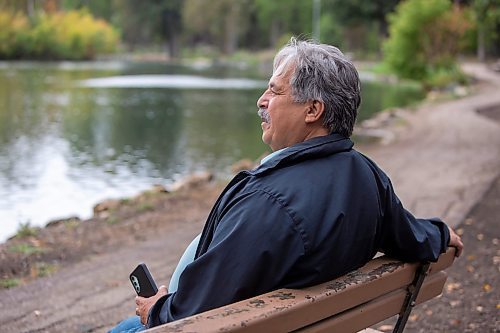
x: 322, y: 73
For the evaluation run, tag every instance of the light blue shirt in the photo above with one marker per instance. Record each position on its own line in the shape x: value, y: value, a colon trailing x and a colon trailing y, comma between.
x: 185, y: 260
x: 190, y: 251
x: 271, y: 156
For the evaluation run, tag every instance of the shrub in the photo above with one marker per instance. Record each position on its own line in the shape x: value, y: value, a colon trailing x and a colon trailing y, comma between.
x: 424, y: 38
x: 26, y: 230
x: 72, y: 35
x: 14, y: 31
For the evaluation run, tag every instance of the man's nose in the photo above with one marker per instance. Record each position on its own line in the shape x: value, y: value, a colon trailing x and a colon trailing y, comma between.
x: 262, y: 101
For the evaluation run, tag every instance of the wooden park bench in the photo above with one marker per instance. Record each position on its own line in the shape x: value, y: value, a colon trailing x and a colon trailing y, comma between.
x: 382, y: 288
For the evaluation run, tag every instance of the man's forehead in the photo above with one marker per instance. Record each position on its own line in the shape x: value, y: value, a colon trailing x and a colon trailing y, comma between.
x: 279, y: 80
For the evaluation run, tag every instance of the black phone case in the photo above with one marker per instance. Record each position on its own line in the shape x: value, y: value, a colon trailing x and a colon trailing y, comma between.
x: 143, y: 282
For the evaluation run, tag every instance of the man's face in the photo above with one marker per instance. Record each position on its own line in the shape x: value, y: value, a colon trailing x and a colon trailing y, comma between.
x: 283, y: 120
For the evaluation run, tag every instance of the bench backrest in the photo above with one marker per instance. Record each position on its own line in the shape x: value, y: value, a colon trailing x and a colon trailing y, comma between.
x: 349, y: 303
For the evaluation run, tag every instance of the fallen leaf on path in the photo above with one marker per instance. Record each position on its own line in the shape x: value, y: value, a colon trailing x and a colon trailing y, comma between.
x: 428, y: 312
x: 495, y: 241
x: 487, y: 287
x: 385, y: 328
x: 479, y: 308
x: 460, y: 231
x: 413, y: 317
x: 452, y: 286
x: 469, y: 221
x: 471, y: 257
x: 454, y: 303
x: 480, y: 237
x: 470, y: 268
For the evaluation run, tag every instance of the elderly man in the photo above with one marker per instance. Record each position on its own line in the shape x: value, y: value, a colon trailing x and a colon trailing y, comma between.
x: 313, y: 210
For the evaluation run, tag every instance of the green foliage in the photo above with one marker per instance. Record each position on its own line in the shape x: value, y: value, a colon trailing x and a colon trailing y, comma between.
x: 41, y: 269
x: 145, y: 207
x: 443, y: 76
x: 331, y: 30
x: 486, y: 35
x: 14, y: 30
x: 424, y: 39
x: 279, y: 17
x: 26, y: 230
x: 9, y: 283
x: 112, y: 219
x: 24, y: 248
x: 72, y: 35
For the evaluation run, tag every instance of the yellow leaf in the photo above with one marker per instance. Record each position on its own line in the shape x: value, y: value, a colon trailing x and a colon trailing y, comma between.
x: 385, y: 328
x: 452, y: 286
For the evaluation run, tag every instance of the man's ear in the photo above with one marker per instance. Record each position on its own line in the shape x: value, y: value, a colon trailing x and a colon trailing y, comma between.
x: 314, y: 111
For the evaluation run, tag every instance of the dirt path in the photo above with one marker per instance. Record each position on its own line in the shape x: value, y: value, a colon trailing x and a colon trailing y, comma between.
x: 443, y: 161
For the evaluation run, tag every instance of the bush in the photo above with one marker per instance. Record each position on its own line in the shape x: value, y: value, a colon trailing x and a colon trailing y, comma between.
x: 425, y: 38
x: 14, y: 31
x: 74, y: 35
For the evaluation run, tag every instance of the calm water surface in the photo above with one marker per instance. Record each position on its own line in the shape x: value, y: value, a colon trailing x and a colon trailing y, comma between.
x: 72, y: 134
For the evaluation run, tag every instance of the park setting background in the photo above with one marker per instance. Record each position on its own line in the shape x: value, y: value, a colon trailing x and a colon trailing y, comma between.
x: 103, y: 99
x: 108, y: 109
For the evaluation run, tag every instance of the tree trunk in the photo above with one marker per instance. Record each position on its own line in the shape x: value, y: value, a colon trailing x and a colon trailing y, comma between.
x: 231, y: 29
x: 481, y: 48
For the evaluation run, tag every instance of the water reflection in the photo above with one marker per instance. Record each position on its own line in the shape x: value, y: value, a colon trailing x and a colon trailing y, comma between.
x: 171, y: 81
x: 64, y: 147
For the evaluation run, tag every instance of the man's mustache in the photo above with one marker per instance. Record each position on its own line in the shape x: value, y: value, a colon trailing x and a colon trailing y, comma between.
x: 264, y: 114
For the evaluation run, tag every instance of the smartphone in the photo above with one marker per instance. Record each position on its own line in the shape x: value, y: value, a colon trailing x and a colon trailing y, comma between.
x: 143, y: 282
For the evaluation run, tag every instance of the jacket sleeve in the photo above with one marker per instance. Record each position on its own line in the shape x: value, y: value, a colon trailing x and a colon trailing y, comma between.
x: 407, y: 238
x: 254, y: 245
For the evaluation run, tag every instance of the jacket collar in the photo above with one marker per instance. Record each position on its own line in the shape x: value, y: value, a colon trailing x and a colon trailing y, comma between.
x: 313, y: 148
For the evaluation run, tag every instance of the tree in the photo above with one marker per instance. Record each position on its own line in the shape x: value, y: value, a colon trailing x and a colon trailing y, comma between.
x: 219, y: 22
x: 424, y: 38
x: 279, y: 17
x: 487, y: 14
x: 356, y: 24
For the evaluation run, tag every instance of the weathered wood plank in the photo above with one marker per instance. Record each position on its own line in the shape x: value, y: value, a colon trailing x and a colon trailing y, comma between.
x: 291, y: 309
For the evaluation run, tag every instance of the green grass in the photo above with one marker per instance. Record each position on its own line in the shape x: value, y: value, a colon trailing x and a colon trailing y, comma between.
x: 26, y: 249
x: 26, y: 230
x: 125, y: 201
x: 44, y: 269
x: 145, y: 207
x: 72, y: 224
x: 9, y: 283
x: 112, y: 219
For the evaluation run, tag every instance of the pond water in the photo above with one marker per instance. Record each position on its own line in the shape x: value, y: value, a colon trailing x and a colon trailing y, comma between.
x: 73, y: 134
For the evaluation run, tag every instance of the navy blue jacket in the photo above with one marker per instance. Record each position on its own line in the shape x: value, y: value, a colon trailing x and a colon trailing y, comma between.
x: 315, y: 212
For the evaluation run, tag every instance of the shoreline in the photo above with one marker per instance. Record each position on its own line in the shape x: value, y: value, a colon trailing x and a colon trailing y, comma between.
x: 442, y: 159
x: 37, y: 251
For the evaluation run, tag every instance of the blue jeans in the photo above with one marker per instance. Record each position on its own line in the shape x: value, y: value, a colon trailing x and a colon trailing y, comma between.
x: 130, y: 325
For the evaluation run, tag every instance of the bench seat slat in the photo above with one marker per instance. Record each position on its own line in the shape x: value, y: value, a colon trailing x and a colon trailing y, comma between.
x: 291, y: 309
x: 376, y: 310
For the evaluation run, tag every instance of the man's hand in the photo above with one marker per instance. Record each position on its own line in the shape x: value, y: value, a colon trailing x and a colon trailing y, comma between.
x: 456, y: 242
x: 145, y: 304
